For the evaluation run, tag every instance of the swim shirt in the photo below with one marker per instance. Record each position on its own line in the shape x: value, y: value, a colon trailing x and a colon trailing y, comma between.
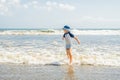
x: 67, y: 37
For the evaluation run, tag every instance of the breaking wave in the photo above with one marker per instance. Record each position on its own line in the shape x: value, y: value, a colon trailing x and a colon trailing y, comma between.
x: 61, y: 59
x: 57, y: 32
x: 94, y: 50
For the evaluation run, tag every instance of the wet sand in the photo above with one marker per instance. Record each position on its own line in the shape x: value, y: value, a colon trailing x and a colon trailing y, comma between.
x: 57, y: 72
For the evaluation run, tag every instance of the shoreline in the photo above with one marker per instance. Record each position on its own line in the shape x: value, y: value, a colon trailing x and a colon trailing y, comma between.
x: 53, y: 72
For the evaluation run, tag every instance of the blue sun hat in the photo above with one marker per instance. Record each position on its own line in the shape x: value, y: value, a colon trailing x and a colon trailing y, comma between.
x: 66, y: 27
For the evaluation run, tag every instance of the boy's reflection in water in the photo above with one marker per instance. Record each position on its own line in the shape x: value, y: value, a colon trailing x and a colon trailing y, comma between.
x: 70, y: 73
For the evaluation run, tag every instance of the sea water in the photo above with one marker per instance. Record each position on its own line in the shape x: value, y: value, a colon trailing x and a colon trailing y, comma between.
x: 98, y: 47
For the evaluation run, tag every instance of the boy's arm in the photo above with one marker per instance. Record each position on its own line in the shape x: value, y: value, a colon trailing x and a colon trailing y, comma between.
x: 72, y: 35
x: 77, y: 39
x: 63, y: 36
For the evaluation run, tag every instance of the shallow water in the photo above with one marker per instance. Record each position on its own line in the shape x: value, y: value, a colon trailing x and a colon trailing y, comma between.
x: 49, y: 49
x: 50, y: 72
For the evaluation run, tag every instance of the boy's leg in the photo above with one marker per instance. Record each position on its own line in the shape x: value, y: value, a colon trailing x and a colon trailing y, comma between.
x: 69, y: 54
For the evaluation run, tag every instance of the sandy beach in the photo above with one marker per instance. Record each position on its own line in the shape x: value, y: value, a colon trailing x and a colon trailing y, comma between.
x: 38, y: 39
x: 57, y: 72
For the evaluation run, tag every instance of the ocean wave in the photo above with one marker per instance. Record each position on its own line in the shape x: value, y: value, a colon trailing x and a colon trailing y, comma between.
x: 97, y: 32
x: 25, y: 32
x: 58, y: 32
x: 58, y: 59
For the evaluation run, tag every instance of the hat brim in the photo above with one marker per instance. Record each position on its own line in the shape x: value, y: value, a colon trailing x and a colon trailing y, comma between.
x: 66, y: 29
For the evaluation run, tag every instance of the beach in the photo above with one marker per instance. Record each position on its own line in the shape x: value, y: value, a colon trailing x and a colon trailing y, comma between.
x: 57, y: 72
x: 59, y: 40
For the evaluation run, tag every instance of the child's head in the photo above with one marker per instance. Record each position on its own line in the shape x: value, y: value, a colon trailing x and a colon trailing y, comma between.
x: 66, y: 28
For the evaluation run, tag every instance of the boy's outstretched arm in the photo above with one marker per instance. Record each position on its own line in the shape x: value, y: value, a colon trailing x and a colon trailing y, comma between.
x: 77, y: 39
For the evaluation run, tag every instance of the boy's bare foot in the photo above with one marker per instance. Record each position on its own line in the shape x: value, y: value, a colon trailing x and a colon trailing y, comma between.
x: 70, y: 63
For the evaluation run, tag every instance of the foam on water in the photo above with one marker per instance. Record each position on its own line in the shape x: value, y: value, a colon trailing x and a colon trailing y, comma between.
x: 43, y: 59
x: 97, y: 32
x: 57, y: 32
x: 46, y: 49
x: 28, y: 54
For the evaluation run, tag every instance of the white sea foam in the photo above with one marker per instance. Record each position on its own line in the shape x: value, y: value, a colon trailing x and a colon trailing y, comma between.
x: 97, y: 32
x: 57, y: 32
x: 43, y: 59
x: 103, y: 50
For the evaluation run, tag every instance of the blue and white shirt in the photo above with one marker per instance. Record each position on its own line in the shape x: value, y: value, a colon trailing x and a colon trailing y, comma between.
x: 68, y: 37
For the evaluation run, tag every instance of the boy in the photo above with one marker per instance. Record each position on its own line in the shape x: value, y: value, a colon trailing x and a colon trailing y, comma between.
x: 67, y: 36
